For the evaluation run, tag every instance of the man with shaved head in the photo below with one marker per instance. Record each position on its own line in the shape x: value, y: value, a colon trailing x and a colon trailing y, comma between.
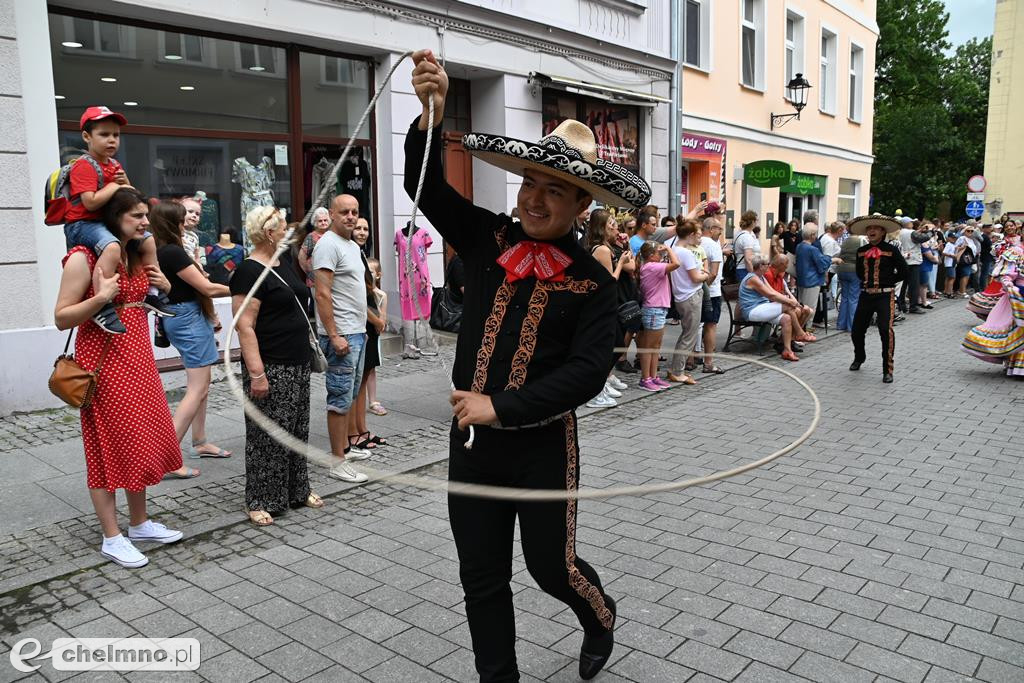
x: 341, y: 323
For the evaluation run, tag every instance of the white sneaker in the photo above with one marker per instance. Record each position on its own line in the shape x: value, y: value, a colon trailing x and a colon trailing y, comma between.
x: 356, y: 454
x: 616, y: 383
x: 121, y: 551
x: 345, y: 472
x: 612, y: 391
x: 602, y: 400
x: 153, y: 531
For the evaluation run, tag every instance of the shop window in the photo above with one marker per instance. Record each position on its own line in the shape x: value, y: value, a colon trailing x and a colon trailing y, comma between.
x: 236, y: 175
x: 89, y: 37
x: 182, y: 48
x: 752, y: 43
x: 794, y: 45
x: 848, y: 191
x: 697, y: 34
x: 856, y: 81
x: 827, y: 73
x: 335, y: 91
x: 259, y: 60
x: 154, y: 89
x: 616, y: 126
x: 456, y: 109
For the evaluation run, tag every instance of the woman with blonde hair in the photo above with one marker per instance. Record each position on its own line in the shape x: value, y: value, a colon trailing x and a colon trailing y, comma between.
x: 190, y: 331
x: 274, y: 334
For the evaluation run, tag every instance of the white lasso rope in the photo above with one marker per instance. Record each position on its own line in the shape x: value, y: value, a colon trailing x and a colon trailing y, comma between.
x: 322, y: 457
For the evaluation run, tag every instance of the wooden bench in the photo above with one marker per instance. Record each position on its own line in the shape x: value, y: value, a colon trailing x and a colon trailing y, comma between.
x: 762, y: 331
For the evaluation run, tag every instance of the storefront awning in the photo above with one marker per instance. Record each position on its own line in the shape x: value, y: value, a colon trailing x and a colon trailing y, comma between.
x: 601, y: 92
x: 805, y: 183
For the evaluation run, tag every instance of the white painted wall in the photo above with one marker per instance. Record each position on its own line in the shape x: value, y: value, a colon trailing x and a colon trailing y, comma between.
x: 502, y: 102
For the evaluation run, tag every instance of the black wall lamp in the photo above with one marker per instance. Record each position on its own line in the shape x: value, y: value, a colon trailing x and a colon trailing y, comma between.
x: 796, y: 92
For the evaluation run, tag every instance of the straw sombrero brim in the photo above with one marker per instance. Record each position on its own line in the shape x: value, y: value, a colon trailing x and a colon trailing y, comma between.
x: 607, y: 182
x: 860, y: 224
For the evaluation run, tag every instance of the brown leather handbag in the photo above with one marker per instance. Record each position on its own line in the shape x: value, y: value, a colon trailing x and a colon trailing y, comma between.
x: 72, y: 383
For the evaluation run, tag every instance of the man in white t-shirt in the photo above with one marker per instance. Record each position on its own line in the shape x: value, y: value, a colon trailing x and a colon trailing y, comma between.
x: 341, y: 323
x: 711, y: 231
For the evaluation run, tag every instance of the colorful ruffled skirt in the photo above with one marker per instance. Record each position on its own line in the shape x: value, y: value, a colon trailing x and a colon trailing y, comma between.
x: 1000, y: 339
x: 982, y: 303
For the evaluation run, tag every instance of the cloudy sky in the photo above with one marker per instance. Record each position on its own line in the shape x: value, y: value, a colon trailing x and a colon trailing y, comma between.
x: 969, y: 19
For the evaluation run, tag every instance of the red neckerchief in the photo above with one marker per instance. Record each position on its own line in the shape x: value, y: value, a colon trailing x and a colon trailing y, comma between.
x: 540, y: 259
x: 873, y: 252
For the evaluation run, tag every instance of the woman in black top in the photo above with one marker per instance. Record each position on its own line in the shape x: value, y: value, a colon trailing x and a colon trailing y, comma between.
x: 361, y: 436
x: 190, y: 331
x: 273, y: 333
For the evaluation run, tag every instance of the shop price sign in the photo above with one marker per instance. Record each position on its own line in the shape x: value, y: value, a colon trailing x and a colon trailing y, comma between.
x: 768, y: 173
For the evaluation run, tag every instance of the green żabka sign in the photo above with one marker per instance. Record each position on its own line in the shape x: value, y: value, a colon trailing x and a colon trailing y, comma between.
x: 768, y: 173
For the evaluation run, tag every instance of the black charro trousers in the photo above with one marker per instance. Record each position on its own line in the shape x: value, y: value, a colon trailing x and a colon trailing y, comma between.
x: 883, y: 306
x: 544, y: 458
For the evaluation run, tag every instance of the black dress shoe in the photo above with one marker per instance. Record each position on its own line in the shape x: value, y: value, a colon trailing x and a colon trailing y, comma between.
x: 916, y: 311
x: 855, y: 365
x: 625, y: 367
x: 595, y: 651
x: 887, y: 378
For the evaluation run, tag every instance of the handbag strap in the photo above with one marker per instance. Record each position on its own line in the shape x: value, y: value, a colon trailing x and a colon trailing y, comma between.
x: 297, y: 302
x: 67, y: 344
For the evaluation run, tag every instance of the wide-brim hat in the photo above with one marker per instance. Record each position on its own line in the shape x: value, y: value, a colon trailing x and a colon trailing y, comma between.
x: 569, y: 152
x: 860, y: 224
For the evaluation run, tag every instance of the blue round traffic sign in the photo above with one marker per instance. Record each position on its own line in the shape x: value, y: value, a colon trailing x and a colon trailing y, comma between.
x: 975, y: 209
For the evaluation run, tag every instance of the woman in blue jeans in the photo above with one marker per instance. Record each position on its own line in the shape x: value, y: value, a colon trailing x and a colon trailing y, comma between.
x: 190, y: 331
x: 848, y: 281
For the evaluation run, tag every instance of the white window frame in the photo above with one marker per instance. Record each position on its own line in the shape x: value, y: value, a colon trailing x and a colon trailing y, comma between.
x: 758, y: 26
x: 796, y: 46
x: 855, y: 83
x: 278, y: 59
x: 209, y: 58
x: 827, y: 93
x: 855, y: 197
x: 125, y: 38
x: 705, y: 51
x: 336, y: 83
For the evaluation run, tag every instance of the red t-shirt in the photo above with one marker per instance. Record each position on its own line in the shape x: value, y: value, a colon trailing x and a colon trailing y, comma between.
x: 776, y: 280
x: 84, y: 179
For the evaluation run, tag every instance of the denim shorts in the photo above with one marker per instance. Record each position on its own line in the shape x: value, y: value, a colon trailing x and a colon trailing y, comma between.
x: 653, y: 317
x: 713, y: 313
x: 91, y: 234
x: 344, y: 373
x: 964, y: 270
x: 950, y: 271
x: 192, y: 335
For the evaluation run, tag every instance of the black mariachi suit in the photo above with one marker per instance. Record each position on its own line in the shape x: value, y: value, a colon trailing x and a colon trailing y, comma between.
x: 538, y: 349
x: 877, y: 274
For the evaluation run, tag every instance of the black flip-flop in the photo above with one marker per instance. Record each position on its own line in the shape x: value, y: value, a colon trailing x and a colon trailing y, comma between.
x: 713, y: 370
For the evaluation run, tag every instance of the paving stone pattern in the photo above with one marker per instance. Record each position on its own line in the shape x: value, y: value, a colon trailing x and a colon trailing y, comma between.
x: 889, y: 547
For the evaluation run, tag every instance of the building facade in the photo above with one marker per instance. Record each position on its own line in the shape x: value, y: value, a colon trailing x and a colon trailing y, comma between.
x: 737, y: 58
x: 251, y: 102
x: 1004, y: 169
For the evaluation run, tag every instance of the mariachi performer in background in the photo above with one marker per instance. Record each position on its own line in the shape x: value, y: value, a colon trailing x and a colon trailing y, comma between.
x: 1000, y: 339
x: 880, y: 267
x: 536, y: 341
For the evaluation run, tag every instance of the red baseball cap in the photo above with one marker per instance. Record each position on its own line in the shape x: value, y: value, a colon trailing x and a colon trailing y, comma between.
x: 100, y: 113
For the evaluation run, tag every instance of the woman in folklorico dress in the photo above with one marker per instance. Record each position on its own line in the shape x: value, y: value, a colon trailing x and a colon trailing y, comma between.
x: 127, y: 430
x: 1000, y: 339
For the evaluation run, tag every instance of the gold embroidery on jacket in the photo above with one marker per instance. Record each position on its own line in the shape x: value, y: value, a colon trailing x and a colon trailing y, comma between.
x: 491, y: 328
x: 583, y: 588
x: 528, y: 336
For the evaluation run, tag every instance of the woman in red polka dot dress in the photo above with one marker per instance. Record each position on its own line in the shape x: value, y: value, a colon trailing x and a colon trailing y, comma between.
x: 127, y: 430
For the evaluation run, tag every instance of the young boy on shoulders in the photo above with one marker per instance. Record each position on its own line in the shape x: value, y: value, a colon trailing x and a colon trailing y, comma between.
x: 94, y: 180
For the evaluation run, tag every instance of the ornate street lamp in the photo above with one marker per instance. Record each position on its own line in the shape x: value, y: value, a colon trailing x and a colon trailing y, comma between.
x: 796, y: 92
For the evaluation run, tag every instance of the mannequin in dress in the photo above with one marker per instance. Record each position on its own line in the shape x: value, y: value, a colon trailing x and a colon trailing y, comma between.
x: 414, y: 290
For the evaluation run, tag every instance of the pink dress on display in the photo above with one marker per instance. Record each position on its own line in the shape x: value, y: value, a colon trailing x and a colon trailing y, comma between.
x: 421, y: 286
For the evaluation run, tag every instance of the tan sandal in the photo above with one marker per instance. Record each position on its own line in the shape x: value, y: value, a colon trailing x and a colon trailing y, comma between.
x: 314, y: 501
x: 260, y: 517
x: 684, y: 379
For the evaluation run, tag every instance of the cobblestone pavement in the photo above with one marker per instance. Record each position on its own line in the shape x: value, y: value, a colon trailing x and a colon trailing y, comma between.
x: 889, y: 547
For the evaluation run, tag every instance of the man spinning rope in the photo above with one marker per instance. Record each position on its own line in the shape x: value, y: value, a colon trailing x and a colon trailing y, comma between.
x: 536, y: 341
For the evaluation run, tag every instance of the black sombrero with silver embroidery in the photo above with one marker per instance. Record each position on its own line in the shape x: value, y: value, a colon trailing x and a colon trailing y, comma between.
x: 570, y: 153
